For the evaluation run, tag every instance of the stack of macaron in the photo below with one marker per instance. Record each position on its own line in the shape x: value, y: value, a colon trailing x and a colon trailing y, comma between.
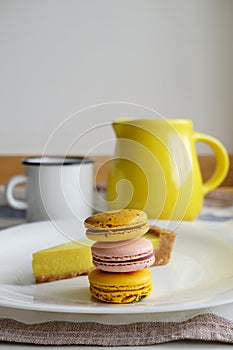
x: 121, y: 256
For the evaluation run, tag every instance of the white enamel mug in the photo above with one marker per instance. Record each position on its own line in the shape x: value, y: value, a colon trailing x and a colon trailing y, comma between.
x: 57, y: 188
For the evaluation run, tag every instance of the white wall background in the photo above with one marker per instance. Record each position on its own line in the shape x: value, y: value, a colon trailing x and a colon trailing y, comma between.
x: 59, y: 57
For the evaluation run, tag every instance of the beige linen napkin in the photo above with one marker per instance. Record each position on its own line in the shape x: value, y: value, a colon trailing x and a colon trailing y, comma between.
x: 206, y: 327
x: 51, y: 328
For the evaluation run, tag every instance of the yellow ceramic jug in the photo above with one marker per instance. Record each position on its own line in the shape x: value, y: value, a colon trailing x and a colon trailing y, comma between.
x: 155, y: 168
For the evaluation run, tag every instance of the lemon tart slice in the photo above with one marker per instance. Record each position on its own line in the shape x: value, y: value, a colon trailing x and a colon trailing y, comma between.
x: 62, y: 261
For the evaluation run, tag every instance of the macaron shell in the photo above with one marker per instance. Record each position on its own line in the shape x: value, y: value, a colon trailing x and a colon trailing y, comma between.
x: 121, y: 287
x: 117, y: 225
x: 115, y: 218
x: 122, y: 249
x: 125, y: 256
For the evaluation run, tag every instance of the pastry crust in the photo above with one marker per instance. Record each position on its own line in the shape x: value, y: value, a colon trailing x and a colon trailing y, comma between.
x: 52, y: 278
x: 166, y: 242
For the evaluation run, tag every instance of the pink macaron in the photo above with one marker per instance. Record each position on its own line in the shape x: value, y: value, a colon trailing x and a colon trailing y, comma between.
x: 123, y: 256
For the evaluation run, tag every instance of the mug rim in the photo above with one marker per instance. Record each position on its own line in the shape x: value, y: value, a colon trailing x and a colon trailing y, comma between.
x: 56, y: 160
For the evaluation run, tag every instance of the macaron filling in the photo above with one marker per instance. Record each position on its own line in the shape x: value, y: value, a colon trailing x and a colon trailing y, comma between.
x: 149, y: 257
x: 111, y: 229
x: 117, y: 260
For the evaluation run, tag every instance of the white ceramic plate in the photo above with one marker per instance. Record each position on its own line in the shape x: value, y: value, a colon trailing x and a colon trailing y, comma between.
x: 199, y: 275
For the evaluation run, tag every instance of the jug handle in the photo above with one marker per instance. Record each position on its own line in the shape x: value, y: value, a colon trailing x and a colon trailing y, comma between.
x: 222, y: 161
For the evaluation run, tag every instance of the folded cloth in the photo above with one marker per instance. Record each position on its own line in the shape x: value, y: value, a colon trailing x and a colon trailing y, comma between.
x: 206, y: 327
x: 55, y: 328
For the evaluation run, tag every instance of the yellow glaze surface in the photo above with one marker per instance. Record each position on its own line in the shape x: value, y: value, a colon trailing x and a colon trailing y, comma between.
x: 153, y: 238
x: 61, y: 259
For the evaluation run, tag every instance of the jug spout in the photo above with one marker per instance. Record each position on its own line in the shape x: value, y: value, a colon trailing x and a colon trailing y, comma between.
x: 119, y: 125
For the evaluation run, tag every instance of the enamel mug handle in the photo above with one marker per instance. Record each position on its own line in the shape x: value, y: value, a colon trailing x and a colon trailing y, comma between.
x: 15, y: 203
x: 222, y: 161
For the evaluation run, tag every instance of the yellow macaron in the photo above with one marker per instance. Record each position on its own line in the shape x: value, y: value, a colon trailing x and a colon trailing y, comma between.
x: 117, y: 225
x: 120, y: 288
